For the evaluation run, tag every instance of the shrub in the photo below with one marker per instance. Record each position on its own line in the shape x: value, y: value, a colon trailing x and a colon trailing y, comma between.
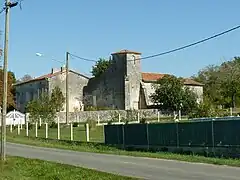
x: 53, y: 125
x: 75, y: 124
x: 92, y: 123
x: 30, y: 126
x: 143, y: 121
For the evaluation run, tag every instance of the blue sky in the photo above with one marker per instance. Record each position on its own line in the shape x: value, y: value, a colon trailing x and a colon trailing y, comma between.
x: 93, y: 29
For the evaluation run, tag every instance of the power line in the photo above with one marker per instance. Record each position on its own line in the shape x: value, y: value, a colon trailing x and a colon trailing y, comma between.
x: 85, y: 59
x: 3, y: 9
x: 189, y: 45
x: 173, y: 50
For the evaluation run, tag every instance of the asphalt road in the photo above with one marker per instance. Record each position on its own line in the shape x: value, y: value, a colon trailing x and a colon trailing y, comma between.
x: 144, y: 168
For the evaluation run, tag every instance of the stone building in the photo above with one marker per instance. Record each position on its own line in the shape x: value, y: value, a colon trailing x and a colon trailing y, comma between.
x: 29, y: 90
x: 119, y: 86
x: 124, y: 86
x: 148, y: 79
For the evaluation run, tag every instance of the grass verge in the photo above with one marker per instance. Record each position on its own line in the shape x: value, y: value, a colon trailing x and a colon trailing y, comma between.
x: 16, y: 168
x: 101, y: 148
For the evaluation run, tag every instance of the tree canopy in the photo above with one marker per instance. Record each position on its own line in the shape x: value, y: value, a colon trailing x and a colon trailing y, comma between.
x: 222, y: 85
x: 100, y: 67
x: 10, y: 89
x: 46, y: 106
x: 26, y: 77
x: 171, y: 94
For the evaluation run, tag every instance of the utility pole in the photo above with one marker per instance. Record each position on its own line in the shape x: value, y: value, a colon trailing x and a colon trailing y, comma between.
x: 67, y: 89
x: 8, y: 5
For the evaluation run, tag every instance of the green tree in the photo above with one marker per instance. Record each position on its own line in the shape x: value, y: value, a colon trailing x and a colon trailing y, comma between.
x: 34, y: 110
x: 230, y: 86
x: 221, y: 83
x: 26, y: 77
x: 209, y: 76
x: 171, y: 94
x: 41, y: 108
x: 100, y: 67
x: 57, y: 99
x: 11, y: 92
x: 46, y: 106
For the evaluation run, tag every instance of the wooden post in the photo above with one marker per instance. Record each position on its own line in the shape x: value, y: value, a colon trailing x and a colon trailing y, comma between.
x: 58, y: 129
x: 71, y: 131
x: 27, y: 129
x: 36, y: 129
x: 87, y: 132
x: 46, y: 131
x: 158, y: 116
x: 40, y: 122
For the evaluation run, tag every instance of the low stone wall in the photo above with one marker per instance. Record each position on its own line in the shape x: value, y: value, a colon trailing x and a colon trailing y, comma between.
x: 108, y: 115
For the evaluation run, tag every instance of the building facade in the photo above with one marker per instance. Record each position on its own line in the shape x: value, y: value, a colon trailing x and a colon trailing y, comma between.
x: 149, y: 79
x: 122, y: 86
x: 32, y: 89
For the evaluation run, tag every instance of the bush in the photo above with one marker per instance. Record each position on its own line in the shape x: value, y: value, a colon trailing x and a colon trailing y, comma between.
x: 75, y: 124
x: 143, y: 121
x: 30, y: 126
x: 53, y: 125
x: 109, y: 122
x: 92, y: 123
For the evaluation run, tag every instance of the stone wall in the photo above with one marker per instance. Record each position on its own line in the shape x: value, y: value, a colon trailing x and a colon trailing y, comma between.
x: 107, y: 115
x: 108, y: 89
x: 76, y: 85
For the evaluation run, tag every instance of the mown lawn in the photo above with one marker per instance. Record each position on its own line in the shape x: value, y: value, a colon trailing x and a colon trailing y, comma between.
x: 79, y: 133
x: 16, y: 168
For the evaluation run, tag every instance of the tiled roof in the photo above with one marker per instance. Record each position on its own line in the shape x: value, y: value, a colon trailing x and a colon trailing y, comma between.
x: 40, y: 77
x: 149, y: 77
x: 188, y: 81
x: 125, y: 51
x: 50, y: 75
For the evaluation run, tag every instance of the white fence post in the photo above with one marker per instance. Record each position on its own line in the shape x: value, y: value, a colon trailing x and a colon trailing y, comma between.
x: 179, y: 115
x: 87, y: 132
x: 98, y: 119
x: 71, y: 131
x: 27, y: 129
x: 11, y: 127
x: 18, y: 129
x: 158, y: 116
x: 36, y: 129
x: 119, y: 117
x: 40, y: 122
x: 58, y: 129
x: 46, y: 132
x: 138, y: 117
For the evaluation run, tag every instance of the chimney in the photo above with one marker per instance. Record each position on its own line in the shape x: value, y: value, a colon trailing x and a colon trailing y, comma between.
x: 63, y: 68
x: 54, y: 70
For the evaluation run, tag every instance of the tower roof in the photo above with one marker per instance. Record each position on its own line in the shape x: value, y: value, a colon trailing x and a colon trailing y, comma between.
x: 125, y: 51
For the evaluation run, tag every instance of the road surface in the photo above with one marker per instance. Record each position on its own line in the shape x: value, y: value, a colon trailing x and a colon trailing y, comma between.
x: 144, y: 168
